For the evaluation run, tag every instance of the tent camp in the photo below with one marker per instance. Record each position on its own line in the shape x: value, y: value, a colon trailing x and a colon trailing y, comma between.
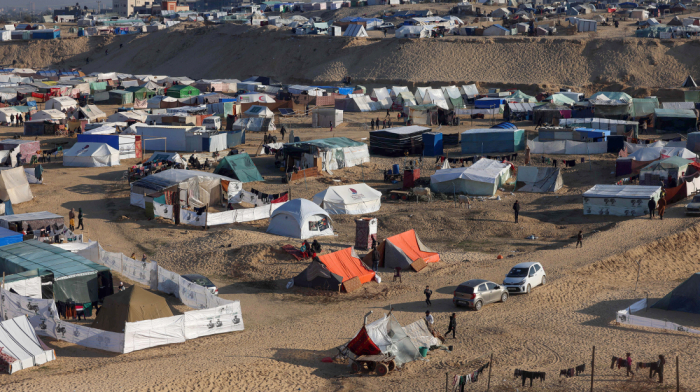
x: 92, y: 113
x: 91, y: 155
x: 619, y: 200
x: 684, y: 298
x: 61, y: 103
x: 239, y: 167
x: 453, y: 97
x: 172, y: 157
x: 300, y: 218
x: 539, y: 179
x: 355, y: 30
x: 402, y: 251
x: 482, y: 178
x: 14, y: 186
x: 349, y: 199
x: 257, y: 111
x: 20, y: 347
x: 48, y: 115
x: 131, y: 305
x: 660, y: 170
x: 335, y: 269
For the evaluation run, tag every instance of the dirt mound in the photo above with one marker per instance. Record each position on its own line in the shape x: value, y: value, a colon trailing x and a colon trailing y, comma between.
x: 214, y: 51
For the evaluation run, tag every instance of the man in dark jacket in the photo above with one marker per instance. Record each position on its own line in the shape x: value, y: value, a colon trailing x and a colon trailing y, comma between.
x: 375, y: 259
x: 652, y: 207
x: 452, y: 326
x: 428, y: 293
x: 516, y: 210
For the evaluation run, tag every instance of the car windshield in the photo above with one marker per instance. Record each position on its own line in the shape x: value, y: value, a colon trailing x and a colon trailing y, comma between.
x: 696, y: 199
x: 465, y: 289
x: 517, y: 273
x: 202, y: 281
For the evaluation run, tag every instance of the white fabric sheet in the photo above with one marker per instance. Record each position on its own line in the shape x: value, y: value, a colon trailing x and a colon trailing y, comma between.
x: 220, y: 319
x: 152, y: 333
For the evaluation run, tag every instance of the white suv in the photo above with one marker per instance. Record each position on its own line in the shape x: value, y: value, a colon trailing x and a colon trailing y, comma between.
x: 524, y: 276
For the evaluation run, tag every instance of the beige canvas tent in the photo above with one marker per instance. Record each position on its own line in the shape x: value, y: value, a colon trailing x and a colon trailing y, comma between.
x: 133, y: 304
x: 14, y: 186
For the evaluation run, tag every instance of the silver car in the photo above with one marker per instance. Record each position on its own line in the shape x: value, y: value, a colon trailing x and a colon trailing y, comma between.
x: 693, y: 207
x: 476, y: 293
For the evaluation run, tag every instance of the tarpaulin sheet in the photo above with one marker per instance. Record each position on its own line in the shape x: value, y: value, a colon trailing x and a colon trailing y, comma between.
x: 191, y: 218
x: 220, y: 319
x: 168, y: 281
x: 192, y: 294
x: 163, y: 210
x: 30, y: 287
x: 567, y: 147
x: 137, y: 200
x: 151, y: 333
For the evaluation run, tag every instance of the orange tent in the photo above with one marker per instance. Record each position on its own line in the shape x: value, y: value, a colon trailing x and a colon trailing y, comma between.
x: 346, y: 264
x: 403, y: 249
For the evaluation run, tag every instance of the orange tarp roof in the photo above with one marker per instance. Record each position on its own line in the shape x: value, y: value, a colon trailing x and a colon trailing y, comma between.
x: 407, y: 242
x: 344, y: 264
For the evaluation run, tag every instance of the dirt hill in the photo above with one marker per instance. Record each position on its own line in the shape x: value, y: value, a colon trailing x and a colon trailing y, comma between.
x: 238, y: 52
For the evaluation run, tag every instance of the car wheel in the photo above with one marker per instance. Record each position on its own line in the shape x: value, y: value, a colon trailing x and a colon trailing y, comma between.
x: 527, y: 289
x: 544, y: 280
x: 504, y: 297
x: 477, y: 306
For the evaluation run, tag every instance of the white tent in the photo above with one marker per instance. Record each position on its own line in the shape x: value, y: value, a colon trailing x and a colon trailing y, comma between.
x: 92, y: 113
x: 61, y: 103
x: 482, y: 178
x: 155, y: 102
x: 413, y: 31
x: 620, y: 200
x: 349, y: 199
x: 15, y: 186
x: 355, y: 31
x: 259, y: 112
x: 324, y: 117
x: 48, y: 115
x: 300, y: 218
x: 21, y: 347
x: 91, y: 155
x: 5, y: 114
x: 132, y: 115
x: 256, y: 97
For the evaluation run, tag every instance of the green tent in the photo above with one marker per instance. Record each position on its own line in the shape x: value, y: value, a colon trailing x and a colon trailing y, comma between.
x: 121, y: 97
x: 692, y: 96
x: 181, y: 91
x: 141, y: 92
x: 239, y: 167
x: 644, y: 106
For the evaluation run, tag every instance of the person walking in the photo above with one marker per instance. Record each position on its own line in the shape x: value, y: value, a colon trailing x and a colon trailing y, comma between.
x: 282, y: 131
x: 579, y: 239
x: 80, y: 219
x: 375, y: 258
x: 12, y: 120
x: 652, y: 207
x: 384, y: 124
x: 516, y: 210
x: 331, y: 124
x: 372, y: 124
x: 428, y: 292
x: 452, y: 326
x: 629, y: 364
x: 71, y: 219
x: 661, y: 208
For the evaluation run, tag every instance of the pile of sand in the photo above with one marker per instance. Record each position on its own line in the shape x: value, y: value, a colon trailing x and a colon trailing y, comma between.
x: 231, y: 51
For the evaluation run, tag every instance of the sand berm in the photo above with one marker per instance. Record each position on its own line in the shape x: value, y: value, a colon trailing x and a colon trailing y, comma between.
x: 229, y: 51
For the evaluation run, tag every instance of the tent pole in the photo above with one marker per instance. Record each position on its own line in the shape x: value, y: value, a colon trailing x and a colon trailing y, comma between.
x: 488, y: 385
x: 206, y: 217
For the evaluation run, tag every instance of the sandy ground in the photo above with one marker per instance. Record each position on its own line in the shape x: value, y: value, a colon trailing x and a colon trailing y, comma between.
x: 289, y: 331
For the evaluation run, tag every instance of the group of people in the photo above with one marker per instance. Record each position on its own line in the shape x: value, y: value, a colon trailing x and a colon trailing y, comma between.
x: 18, y: 120
x: 451, y: 327
x: 386, y: 123
x: 654, y: 367
x: 71, y: 219
x: 310, y: 250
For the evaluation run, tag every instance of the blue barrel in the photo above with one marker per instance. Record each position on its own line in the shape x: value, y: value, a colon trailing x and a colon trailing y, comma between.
x: 395, y: 168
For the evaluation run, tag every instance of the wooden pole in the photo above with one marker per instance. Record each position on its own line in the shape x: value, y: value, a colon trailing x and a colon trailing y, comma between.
x: 488, y: 385
x: 592, y: 367
x: 447, y: 382
x: 678, y: 377
x: 206, y: 217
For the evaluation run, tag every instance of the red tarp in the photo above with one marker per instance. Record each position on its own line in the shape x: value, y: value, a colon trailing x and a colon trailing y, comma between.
x: 363, y: 345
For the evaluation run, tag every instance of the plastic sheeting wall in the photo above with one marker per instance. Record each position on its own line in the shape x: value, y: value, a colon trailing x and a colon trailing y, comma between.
x: 624, y: 317
x: 567, y: 147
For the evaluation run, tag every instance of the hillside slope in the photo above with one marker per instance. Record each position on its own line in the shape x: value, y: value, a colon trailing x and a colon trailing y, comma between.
x: 237, y: 52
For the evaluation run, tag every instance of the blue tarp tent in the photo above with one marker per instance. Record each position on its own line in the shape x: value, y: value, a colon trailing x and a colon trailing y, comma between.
x: 8, y: 237
x: 432, y: 144
x: 504, y: 125
x: 489, y: 103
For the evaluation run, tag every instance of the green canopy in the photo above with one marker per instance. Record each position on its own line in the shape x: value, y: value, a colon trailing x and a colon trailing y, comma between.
x: 239, y: 167
x: 520, y: 97
x: 560, y: 99
x: 141, y: 92
x: 668, y: 163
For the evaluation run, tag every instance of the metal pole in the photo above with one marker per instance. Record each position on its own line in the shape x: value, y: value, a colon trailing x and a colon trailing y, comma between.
x: 454, y: 194
x: 678, y: 377
x: 592, y: 367
x: 639, y: 264
x: 488, y: 386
